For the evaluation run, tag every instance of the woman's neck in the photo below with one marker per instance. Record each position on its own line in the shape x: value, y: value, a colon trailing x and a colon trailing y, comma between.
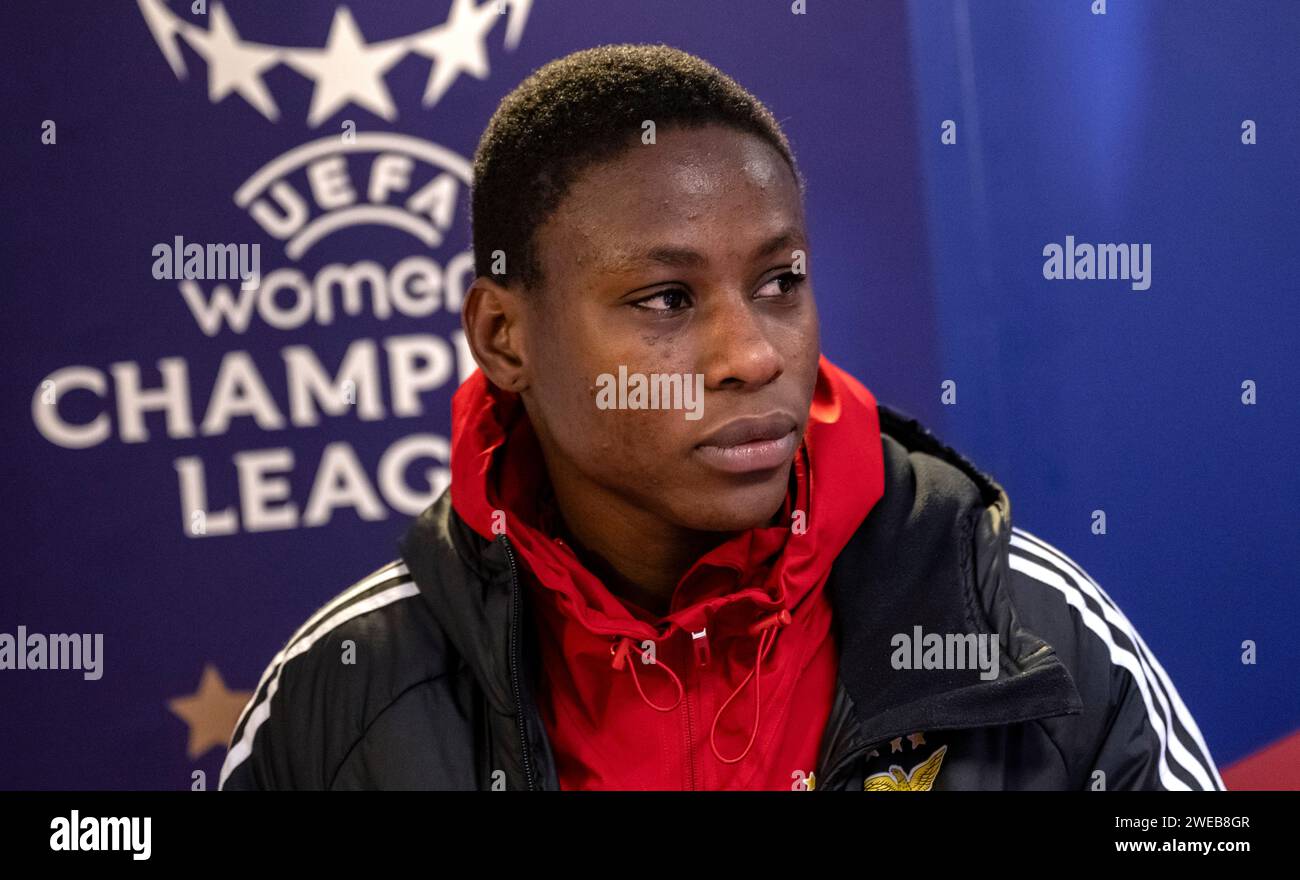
x: 640, y: 558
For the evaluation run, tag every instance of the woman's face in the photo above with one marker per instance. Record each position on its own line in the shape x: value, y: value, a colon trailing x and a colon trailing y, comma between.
x: 675, y: 259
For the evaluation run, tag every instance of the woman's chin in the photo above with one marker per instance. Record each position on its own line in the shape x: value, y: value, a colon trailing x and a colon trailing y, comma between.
x: 736, y: 508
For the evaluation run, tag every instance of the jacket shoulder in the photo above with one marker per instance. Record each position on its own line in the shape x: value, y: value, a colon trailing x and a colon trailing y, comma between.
x: 1133, y: 725
x: 1134, y: 730
x: 352, y: 659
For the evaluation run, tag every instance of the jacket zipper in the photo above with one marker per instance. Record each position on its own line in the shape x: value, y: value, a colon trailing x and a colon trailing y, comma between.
x: 514, y: 662
x: 700, y: 653
x: 690, y: 739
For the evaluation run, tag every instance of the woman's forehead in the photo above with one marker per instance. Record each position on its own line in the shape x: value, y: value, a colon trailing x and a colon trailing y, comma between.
x: 651, y: 203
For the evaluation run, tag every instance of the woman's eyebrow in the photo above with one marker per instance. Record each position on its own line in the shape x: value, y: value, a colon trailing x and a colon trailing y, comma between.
x: 783, y: 239
x: 683, y: 257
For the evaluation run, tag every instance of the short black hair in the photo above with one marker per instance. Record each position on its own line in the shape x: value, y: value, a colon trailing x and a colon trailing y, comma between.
x: 578, y: 110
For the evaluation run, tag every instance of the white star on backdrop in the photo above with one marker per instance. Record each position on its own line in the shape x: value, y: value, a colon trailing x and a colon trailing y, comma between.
x: 347, y: 70
x: 456, y: 46
x: 235, y: 66
x: 164, y: 25
x: 519, y: 10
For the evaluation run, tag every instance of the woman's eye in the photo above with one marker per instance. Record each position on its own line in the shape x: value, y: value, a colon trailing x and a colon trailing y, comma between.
x: 665, y: 301
x: 785, y: 283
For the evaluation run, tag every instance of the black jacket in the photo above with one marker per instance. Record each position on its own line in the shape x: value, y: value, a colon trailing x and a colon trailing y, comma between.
x: 419, y: 676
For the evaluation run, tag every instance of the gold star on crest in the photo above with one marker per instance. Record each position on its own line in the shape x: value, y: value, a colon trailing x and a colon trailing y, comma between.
x: 211, y: 712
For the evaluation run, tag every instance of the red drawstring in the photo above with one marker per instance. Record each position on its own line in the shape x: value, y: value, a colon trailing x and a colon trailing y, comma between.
x: 767, y: 626
x: 765, y: 629
x: 620, y: 651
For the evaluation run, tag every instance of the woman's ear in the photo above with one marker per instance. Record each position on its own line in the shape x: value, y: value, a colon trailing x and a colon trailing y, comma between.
x: 493, y: 318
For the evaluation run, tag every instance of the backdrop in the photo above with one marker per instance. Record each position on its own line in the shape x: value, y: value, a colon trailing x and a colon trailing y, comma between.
x: 182, y: 479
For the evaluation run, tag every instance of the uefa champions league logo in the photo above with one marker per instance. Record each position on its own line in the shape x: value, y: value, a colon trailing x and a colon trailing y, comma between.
x: 347, y: 70
x: 353, y: 178
x: 332, y: 197
x: 299, y: 200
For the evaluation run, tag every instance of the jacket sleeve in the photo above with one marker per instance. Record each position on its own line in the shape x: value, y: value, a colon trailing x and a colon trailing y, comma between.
x: 247, y: 766
x: 273, y: 741
x: 292, y: 726
x: 1150, y: 741
x: 357, y: 660
x: 1135, y: 732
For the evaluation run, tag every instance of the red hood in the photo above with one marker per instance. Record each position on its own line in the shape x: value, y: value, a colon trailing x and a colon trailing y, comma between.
x: 838, y: 477
x: 841, y: 419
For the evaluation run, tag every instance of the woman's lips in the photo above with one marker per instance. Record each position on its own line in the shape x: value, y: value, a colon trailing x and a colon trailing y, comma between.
x: 756, y: 455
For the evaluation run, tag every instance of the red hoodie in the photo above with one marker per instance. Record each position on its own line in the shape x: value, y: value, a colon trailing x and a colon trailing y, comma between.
x: 704, y: 697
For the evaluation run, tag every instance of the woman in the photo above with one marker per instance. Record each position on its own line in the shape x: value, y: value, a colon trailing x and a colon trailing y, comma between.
x: 681, y: 549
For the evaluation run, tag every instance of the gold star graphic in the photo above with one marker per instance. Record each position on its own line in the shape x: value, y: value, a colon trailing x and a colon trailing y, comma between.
x: 211, y: 712
x: 896, y: 745
x: 916, y: 739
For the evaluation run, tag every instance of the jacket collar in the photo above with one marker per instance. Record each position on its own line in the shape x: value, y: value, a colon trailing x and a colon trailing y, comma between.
x: 466, y: 581
x: 933, y: 554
